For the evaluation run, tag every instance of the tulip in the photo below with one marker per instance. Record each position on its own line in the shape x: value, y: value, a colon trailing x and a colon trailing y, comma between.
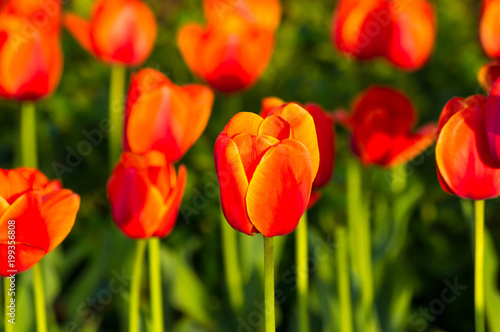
x: 488, y: 74
x: 266, y: 168
x: 381, y: 128
x: 145, y: 194
x: 40, y: 213
x: 119, y: 31
x: 489, y: 28
x: 31, y: 58
x: 402, y: 32
x: 165, y: 117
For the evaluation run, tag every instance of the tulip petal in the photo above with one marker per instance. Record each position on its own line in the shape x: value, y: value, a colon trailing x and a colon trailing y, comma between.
x: 493, y: 120
x: 489, y: 29
x: 80, y: 29
x: 243, y: 123
x: 25, y: 257
x: 189, y: 38
x: 405, y: 149
x: 251, y: 149
x: 488, y: 74
x: 276, y: 127
x: 269, y: 104
x: 303, y: 128
x: 13, y: 184
x: 279, y: 191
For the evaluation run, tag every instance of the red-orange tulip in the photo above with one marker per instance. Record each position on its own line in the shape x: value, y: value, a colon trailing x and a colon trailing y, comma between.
x: 465, y: 165
x: 163, y: 116
x: 489, y: 28
x: 401, y: 31
x: 488, y: 74
x: 31, y: 59
x: 381, y: 128
x: 492, y: 117
x: 266, y: 168
x: 119, y: 31
x: 38, y: 213
x: 145, y: 194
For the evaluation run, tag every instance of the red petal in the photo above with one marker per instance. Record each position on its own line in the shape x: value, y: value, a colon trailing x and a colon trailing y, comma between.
x: 13, y: 184
x: 405, y: 149
x: 488, y: 74
x: 276, y: 127
x: 25, y: 257
x: 492, y: 117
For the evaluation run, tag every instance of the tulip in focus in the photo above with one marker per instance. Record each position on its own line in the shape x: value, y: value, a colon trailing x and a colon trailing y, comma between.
x: 38, y: 213
x: 403, y: 32
x: 119, y: 31
x: 489, y: 28
x: 163, y: 116
x: 266, y: 168
x: 145, y: 193
x: 381, y: 126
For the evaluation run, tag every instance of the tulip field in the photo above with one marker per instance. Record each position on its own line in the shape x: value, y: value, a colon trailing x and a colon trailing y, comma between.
x: 250, y: 165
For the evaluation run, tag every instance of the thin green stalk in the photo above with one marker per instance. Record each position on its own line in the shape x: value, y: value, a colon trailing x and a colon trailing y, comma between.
x: 343, y: 282
x: 479, y: 267
x: 231, y: 265
x: 28, y: 135
x: 301, y: 257
x: 399, y: 175
x: 116, y: 105
x: 155, y: 284
x: 40, y: 308
x: 9, y: 327
x: 269, y: 284
x: 135, y: 287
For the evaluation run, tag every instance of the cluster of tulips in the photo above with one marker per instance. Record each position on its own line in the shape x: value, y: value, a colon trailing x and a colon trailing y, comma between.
x: 271, y: 166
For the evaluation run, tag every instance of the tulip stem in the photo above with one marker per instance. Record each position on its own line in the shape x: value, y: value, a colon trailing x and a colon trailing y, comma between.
x: 343, y: 281
x: 41, y: 315
x: 116, y: 118
x: 269, y: 284
x: 301, y: 263
x: 135, y: 287
x: 479, y: 267
x: 155, y: 282
x: 28, y: 135
x: 9, y: 327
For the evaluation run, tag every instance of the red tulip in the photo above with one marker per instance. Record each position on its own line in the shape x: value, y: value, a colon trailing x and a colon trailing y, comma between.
x: 31, y: 59
x: 266, y: 168
x: 381, y: 128
x: 465, y: 165
x: 233, y: 51
x: 145, y: 194
x: 492, y: 116
x: 38, y: 213
x: 489, y: 28
x: 163, y: 116
x: 488, y: 74
x: 119, y: 31
x: 402, y: 32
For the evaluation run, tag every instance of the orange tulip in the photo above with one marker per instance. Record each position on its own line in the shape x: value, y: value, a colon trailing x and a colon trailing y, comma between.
x: 465, y: 165
x: 31, y: 59
x: 403, y: 32
x: 163, y: 116
x: 38, y: 213
x: 145, y: 194
x: 381, y: 128
x: 266, y: 168
x: 488, y: 74
x: 489, y: 29
x: 119, y: 31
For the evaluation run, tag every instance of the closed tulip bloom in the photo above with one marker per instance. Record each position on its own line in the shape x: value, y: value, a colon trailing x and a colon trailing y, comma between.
x: 230, y: 56
x: 266, y: 168
x: 489, y: 28
x: 38, y: 213
x: 381, y: 126
x: 465, y: 165
x: 145, y: 194
x: 402, y: 32
x: 488, y: 74
x: 163, y: 116
x: 119, y: 31
x: 31, y: 58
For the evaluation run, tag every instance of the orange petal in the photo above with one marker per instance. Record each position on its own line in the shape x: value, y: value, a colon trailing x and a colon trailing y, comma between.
x: 80, y: 29
x: 13, y: 184
x: 279, y: 191
x: 276, y: 127
x: 243, y: 123
x: 188, y: 39
x: 303, y: 128
x: 268, y: 104
x: 492, y: 117
x: 489, y: 29
x: 488, y: 74
x: 405, y: 149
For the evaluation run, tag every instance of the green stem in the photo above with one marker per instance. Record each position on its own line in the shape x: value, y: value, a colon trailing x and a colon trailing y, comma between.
x: 28, y: 135
x: 8, y: 326
x: 41, y: 314
x: 135, y: 287
x: 116, y: 119
x: 269, y: 284
x: 399, y: 175
x: 479, y: 267
x: 155, y: 284
x: 231, y: 265
x: 343, y: 282
x: 301, y: 256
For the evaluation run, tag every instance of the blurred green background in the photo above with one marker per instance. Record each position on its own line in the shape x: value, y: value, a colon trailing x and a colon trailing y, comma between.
x: 425, y: 242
